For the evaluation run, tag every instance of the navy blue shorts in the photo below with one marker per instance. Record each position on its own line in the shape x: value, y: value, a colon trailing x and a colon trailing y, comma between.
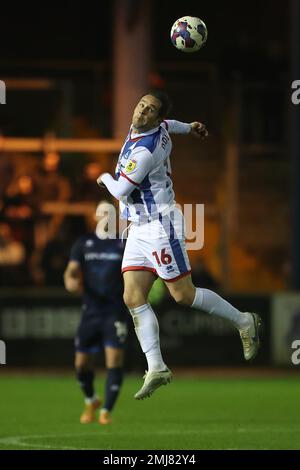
x: 97, y: 330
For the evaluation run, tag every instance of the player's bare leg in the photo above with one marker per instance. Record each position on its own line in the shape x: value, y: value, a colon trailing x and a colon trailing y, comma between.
x: 137, y: 285
x: 84, y: 365
x: 248, y: 324
x: 114, y: 358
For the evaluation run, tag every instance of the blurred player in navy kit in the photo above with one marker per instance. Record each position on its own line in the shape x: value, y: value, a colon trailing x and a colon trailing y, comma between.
x: 94, y: 269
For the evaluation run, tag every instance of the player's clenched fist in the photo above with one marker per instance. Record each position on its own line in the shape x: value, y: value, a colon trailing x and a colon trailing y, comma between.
x: 199, y: 130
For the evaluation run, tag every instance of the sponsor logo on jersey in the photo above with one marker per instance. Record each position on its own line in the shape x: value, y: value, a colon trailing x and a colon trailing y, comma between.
x: 102, y: 256
x: 130, y: 166
x: 126, y: 155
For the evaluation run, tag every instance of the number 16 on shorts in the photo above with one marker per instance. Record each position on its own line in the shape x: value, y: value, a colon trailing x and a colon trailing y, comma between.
x: 163, y: 258
x: 171, y: 262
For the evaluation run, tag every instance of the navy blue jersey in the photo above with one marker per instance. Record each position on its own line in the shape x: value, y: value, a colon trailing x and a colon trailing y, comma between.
x: 100, y: 262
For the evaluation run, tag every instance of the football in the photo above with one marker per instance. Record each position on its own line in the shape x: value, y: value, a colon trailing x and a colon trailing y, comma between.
x: 188, y: 34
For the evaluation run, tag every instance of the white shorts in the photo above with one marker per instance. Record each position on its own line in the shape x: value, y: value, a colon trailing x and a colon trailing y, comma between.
x: 158, y: 246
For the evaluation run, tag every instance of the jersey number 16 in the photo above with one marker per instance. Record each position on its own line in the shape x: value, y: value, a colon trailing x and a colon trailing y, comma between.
x: 164, y: 257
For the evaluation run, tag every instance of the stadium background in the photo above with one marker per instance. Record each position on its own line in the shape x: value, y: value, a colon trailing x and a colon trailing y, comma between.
x: 72, y: 80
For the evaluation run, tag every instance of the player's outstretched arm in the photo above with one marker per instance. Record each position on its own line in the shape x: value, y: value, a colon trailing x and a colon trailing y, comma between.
x: 177, y: 127
x: 197, y: 129
x: 117, y: 188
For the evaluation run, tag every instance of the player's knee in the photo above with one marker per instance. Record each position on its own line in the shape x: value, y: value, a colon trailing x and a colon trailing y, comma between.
x: 82, y: 364
x: 118, y: 363
x: 184, y: 297
x: 133, y: 299
x: 81, y: 368
x: 114, y: 362
x: 180, y: 298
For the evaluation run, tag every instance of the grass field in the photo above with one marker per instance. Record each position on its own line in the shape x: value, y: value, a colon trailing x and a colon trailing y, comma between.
x: 42, y: 412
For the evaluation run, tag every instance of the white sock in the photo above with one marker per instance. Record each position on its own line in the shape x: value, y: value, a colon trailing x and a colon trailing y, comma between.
x: 212, y: 303
x: 147, y: 331
x: 88, y: 401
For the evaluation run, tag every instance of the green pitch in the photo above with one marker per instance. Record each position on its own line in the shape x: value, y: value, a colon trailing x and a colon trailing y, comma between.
x: 43, y: 413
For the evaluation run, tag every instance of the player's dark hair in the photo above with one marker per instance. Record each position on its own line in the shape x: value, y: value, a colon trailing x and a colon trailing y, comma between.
x: 166, y: 103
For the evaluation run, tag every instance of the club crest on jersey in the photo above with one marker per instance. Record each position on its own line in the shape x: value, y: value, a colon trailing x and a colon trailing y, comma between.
x: 130, y: 166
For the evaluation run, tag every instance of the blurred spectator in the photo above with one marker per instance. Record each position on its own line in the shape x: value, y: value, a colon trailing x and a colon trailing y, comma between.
x: 88, y: 190
x: 12, y: 258
x: 19, y: 207
x: 51, y: 187
x: 48, y: 262
x: 20, y: 199
x: 6, y: 175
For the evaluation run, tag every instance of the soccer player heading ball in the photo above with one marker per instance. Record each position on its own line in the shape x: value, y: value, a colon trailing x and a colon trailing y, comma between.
x: 155, y: 245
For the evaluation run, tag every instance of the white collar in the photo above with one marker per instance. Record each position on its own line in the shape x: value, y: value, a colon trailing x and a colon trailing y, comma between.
x: 135, y: 136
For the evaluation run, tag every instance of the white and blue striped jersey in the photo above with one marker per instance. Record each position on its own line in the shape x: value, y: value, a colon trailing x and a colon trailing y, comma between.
x: 144, y: 171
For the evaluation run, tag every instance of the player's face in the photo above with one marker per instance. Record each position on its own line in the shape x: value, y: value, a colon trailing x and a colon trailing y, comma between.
x: 145, y: 115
